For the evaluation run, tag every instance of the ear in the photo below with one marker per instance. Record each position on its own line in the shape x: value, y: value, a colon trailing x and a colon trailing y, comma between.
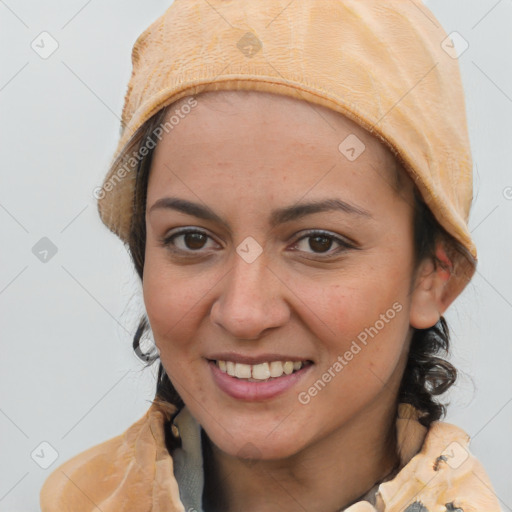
x: 429, y: 299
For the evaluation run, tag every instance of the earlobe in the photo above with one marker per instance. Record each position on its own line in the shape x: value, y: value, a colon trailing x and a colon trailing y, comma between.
x: 429, y: 299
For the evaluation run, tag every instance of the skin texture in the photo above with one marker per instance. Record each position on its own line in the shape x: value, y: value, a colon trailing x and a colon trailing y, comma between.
x: 244, y: 154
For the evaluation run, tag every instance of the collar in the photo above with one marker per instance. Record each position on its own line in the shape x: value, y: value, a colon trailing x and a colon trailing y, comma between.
x: 134, y: 471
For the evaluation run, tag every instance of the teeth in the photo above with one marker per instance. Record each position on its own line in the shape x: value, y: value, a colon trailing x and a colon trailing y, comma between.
x: 276, y: 369
x: 262, y: 371
x: 288, y: 367
x: 242, y: 371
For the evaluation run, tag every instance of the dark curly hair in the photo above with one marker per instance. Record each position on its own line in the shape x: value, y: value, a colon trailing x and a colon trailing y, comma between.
x: 426, y: 376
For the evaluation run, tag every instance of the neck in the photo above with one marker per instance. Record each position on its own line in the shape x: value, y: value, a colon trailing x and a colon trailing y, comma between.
x: 341, y: 468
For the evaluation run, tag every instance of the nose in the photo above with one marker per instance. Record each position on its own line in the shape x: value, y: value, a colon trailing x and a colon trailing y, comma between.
x: 251, y: 300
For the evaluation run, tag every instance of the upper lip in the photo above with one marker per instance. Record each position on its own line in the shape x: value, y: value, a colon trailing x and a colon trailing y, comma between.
x: 253, y: 359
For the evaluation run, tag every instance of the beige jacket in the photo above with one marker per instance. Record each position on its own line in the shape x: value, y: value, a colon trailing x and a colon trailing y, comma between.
x: 135, y: 472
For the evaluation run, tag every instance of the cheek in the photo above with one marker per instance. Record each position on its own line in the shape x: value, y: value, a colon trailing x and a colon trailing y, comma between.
x: 175, y: 305
x: 365, y: 357
x: 353, y: 303
x: 172, y: 301
x: 363, y: 317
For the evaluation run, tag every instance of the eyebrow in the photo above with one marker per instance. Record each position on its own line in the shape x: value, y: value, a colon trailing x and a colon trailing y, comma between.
x: 277, y: 217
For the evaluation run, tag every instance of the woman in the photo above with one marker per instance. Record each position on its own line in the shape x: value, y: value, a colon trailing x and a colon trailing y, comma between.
x: 293, y: 182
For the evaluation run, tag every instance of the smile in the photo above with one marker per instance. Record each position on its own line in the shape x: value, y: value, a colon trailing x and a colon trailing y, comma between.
x: 260, y: 372
x: 266, y: 378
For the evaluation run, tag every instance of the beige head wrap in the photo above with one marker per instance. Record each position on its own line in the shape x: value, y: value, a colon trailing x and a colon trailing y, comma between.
x: 387, y: 65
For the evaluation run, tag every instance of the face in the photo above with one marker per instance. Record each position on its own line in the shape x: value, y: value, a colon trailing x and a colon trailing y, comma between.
x: 267, y: 245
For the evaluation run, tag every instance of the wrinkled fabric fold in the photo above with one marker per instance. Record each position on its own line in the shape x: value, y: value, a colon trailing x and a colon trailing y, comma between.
x: 385, y: 65
x: 134, y: 472
x: 130, y: 472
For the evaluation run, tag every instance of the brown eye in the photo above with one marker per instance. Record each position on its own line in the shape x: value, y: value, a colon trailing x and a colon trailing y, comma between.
x: 320, y: 243
x: 190, y: 240
x: 323, y: 244
x: 194, y: 240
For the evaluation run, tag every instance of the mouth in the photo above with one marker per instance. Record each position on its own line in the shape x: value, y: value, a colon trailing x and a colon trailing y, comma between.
x: 261, y: 372
x: 266, y: 378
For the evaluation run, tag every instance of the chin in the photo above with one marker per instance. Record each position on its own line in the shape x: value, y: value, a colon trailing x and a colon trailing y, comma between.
x: 258, y: 444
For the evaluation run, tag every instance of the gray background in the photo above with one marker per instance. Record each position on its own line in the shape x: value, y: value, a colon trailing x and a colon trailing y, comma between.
x: 68, y: 375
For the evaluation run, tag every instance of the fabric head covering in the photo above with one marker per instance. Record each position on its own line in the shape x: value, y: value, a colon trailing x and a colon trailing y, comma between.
x: 388, y: 66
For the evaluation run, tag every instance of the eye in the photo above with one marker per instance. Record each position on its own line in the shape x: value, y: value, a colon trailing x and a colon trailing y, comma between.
x: 187, y: 240
x: 321, y: 242
x: 316, y: 242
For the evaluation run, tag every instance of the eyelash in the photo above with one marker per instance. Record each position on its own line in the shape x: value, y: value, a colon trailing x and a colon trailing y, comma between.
x: 167, y: 242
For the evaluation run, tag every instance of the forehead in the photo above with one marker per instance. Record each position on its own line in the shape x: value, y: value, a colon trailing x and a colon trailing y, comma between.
x: 268, y: 137
x: 273, y: 113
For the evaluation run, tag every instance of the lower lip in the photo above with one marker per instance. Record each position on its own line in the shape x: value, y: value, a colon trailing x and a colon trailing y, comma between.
x: 255, y: 391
